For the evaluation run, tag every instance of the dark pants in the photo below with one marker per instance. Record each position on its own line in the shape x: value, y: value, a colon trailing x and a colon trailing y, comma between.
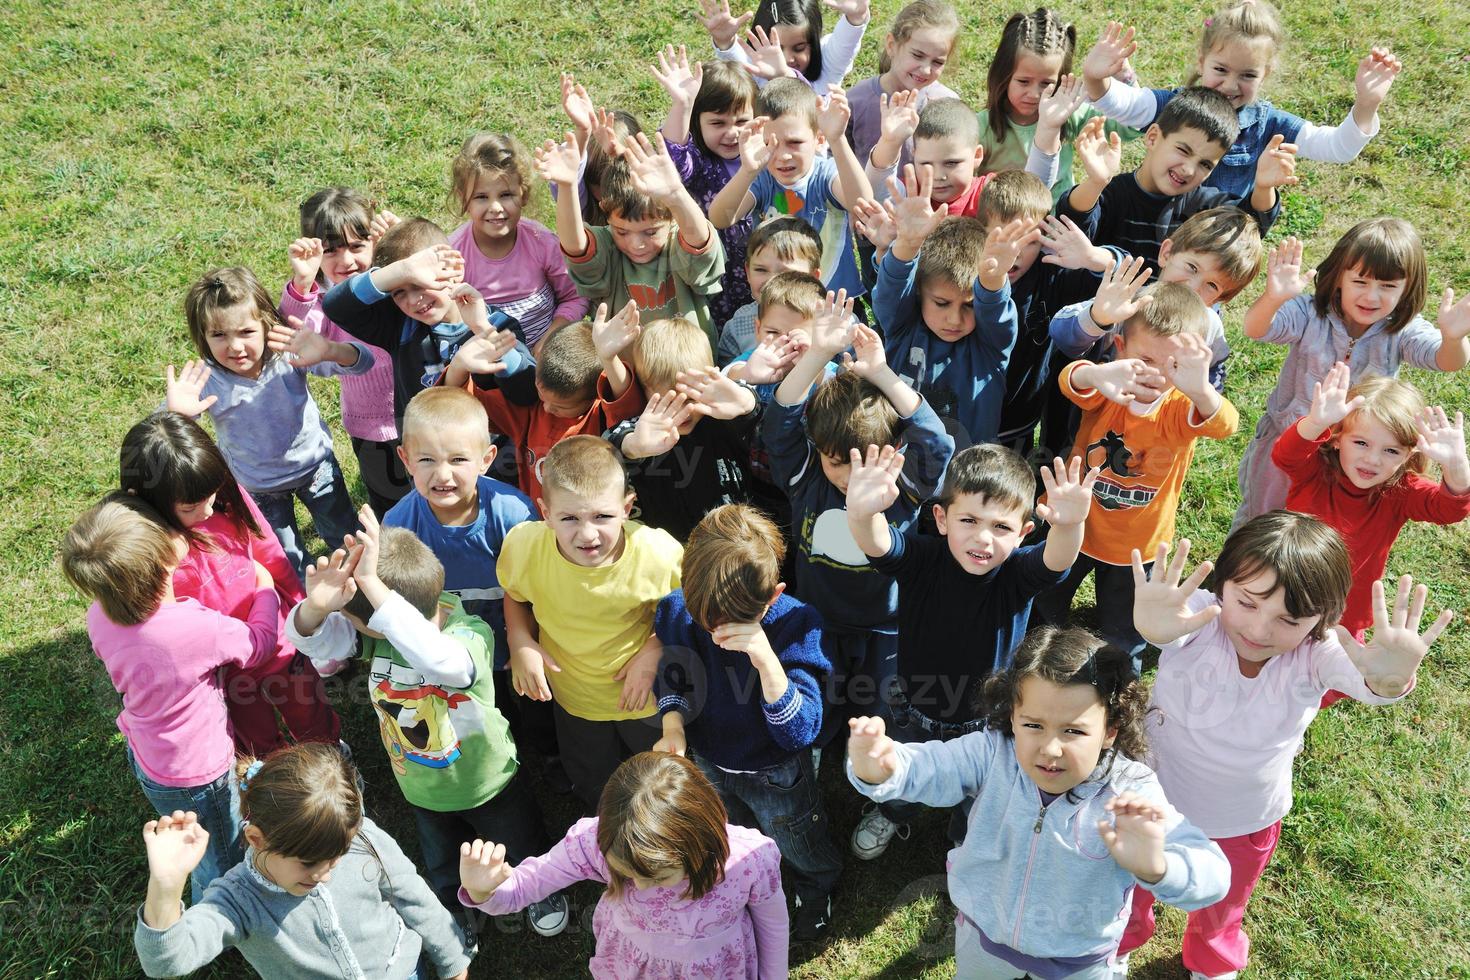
x: 863, y: 667
x: 906, y: 725
x: 532, y: 724
x: 591, y: 750
x: 381, y: 472
x: 510, y: 817
x: 785, y: 803
x: 1114, y: 587
x: 289, y: 685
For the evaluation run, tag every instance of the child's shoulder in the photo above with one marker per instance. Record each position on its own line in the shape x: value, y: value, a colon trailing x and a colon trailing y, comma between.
x: 652, y: 543
x: 462, y: 624
x: 504, y: 500
x: 527, y: 535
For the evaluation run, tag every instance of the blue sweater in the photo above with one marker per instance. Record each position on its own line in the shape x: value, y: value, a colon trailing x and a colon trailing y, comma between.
x: 726, y: 719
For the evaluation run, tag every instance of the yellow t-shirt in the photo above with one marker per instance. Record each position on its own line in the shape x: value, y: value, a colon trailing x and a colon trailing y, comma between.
x: 592, y: 620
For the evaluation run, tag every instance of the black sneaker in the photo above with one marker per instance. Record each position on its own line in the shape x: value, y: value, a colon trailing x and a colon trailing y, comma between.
x: 811, y: 919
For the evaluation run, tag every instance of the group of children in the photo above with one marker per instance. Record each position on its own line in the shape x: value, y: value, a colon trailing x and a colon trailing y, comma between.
x: 700, y: 389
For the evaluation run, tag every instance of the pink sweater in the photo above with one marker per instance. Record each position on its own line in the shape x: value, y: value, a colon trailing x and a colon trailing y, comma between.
x: 738, y: 931
x: 167, y: 671
x: 367, y: 399
x: 530, y: 284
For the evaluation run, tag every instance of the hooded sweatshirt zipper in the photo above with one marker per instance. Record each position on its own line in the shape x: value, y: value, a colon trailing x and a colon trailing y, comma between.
x: 1026, y: 880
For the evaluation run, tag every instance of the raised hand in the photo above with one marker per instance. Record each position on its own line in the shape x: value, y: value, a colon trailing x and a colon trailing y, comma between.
x: 1099, y: 152
x: 833, y: 325
x: 329, y: 582
x: 366, y: 540
x: 833, y: 112
x: 723, y: 27
x: 1136, y: 835
x: 756, y: 145
x: 1160, y: 610
x: 557, y: 163
x: 482, y: 869
x: 1068, y: 492
x: 898, y: 116
x: 305, y: 347
x: 1454, y: 318
x: 435, y: 267
x: 175, y: 843
x: 877, y: 222
x: 657, y: 429
x: 867, y: 357
x: 872, y: 484
x: 1188, y: 367
x: 612, y: 335
x: 747, y: 638
x: 1392, y: 655
x: 1109, y: 53
x: 484, y: 355
x: 1277, y: 164
x: 771, y: 359
x: 651, y: 169
x: 1058, y: 103
x: 605, y: 132
x: 1443, y: 441
x: 472, y: 309
x: 856, y: 11
x: 577, y: 104
x: 870, y: 750
x: 914, y: 214
x: 1330, y: 402
x: 1003, y: 247
x: 677, y: 76
x: 1122, y: 381
x: 1375, y: 76
x: 764, y: 56
x: 380, y: 224
x: 181, y: 394
x: 306, y: 261
x: 1284, y: 277
x: 1066, y: 245
x: 715, y: 394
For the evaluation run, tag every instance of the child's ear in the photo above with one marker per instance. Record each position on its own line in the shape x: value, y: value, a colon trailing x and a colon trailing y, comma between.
x: 889, y: 46
x: 780, y: 589
x: 979, y: 156
x: 1112, y: 737
x: 254, y: 837
x: 1027, y: 528
x: 1152, y: 136
x: 541, y: 505
x: 628, y: 504
x: 402, y: 454
x: 940, y: 519
x: 490, y: 451
x: 1118, y: 341
x: 1165, y: 248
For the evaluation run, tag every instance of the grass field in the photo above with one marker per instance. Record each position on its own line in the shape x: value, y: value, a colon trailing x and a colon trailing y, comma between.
x: 146, y: 142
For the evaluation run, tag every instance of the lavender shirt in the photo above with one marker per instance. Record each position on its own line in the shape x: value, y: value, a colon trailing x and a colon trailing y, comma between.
x: 704, y: 176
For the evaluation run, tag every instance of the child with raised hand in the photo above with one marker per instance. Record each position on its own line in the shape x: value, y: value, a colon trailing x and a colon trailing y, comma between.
x: 785, y: 40
x: 340, y: 229
x: 1361, y: 306
x: 1034, y: 105
x: 1237, y: 52
x: 1141, y: 415
x: 782, y: 173
x: 322, y: 891
x: 740, y: 692
x: 1063, y: 816
x: 810, y: 434
x: 1356, y: 460
x: 163, y: 655
x: 688, y: 894
x: 658, y: 249
x: 251, y: 379
x: 597, y: 135
x: 777, y: 245
x: 431, y: 683
x: 708, y: 105
x: 169, y: 462
x: 1243, y: 666
x: 783, y: 332
x: 964, y: 596
x: 580, y: 593
x: 513, y: 262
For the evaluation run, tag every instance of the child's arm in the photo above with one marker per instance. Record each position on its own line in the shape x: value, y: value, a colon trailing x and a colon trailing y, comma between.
x: 435, y: 267
x: 487, y: 883
x: 652, y: 173
x: 735, y: 201
x: 921, y: 430
x: 1390, y: 661
x: 1284, y: 282
x: 724, y: 27
x: 414, y: 901
x: 308, y: 350
x: 1160, y: 603
x: 492, y: 356
x: 1162, y: 851
x: 1067, y: 246
x: 936, y: 774
x: 681, y: 81
x: 1106, y: 58
x: 840, y: 46
x: 656, y: 430
x: 1120, y: 381
x: 914, y: 214
x: 170, y: 941
x: 611, y: 336
x: 305, y: 255
x: 769, y: 361
x: 872, y: 488
x: 1188, y: 369
x: 871, y: 365
x: 1101, y: 156
x: 832, y: 332
x: 852, y: 180
x: 767, y: 908
x: 1454, y: 328
x: 311, y: 627
x: 529, y: 662
x: 715, y: 395
x: 558, y: 165
x: 1068, y: 502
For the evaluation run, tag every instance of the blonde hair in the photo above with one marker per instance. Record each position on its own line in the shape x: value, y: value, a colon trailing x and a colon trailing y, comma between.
x: 658, y: 816
x: 406, y: 238
x: 1229, y: 236
x: 407, y: 566
x: 791, y: 238
x: 666, y: 347
x: 223, y: 289
x: 917, y: 16
x: 732, y: 565
x: 488, y: 155
x: 583, y: 465
x: 121, y: 554
x: 1395, y: 405
x: 796, y: 291
x: 1249, y: 22
x: 1172, y: 309
x: 1012, y: 194
x: 1384, y: 248
x: 442, y: 408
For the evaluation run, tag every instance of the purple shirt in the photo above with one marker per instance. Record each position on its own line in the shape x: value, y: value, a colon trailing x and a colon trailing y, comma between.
x: 704, y: 176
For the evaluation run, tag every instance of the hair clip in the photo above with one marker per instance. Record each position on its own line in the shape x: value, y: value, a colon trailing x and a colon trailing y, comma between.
x: 250, y: 773
x: 1087, y: 673
x: 1209, y: 22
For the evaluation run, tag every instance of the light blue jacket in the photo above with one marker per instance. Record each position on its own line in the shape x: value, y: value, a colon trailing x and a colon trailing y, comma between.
x: 1040, y: 879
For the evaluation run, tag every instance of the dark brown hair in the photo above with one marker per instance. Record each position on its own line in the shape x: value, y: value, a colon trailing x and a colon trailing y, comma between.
x: 567, y: 363
x: 168, y: 460
x: 805, y: 14
x: 1385, y: 248
x: 724, y: 87
x: 1041, y: 32
x: 1308, y: 558
x: 488, y: 154
x: 732, y: 565
x: 846, y: 413
x: 304, y: 801
x: 333, y: 214
x: 992, y: 472
x: 658, y: 815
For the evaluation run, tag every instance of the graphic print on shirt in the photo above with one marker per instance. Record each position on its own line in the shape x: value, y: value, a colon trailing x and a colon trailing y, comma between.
x: 417, y: 719
x: 827, y: 540
x: 1112, y: 455
x: 652, y: 297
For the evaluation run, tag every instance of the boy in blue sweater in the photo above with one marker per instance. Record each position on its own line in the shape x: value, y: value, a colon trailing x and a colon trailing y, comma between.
x: 740, y: 683
x: 809, y: 441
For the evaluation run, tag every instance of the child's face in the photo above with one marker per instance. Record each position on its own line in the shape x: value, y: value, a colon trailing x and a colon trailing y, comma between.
x: 1236, y: 70
x: 1034, y: 75
x: 1199, y: 271
x: 797, y: 45
x: 982, y: 533
x: 1029, y: 253
x: 445, y: 463
x: 588, y: 529
x: 428, y: 306
x: 668, y: 879
x: 236, y: 338
x: 562, y: 406
x: 837, y: 470
x: 1150, y: 348
x: 1368, y: 451
x: 954, y: 161
x: 346, y: 260
x: 494, y: 209
x: 641, y: 241
x: 295, y: 876
x: 919, y: 61
x: 796, y: 148
x: 777, y: 322
x: 1060, y: 732
x: 717, y: 129
x: 192, y: 515
x: 948, y: 309
x: 1177, y: 163
x: 762, y: 265
x: 1364, y: 300
x: 1255, y: 619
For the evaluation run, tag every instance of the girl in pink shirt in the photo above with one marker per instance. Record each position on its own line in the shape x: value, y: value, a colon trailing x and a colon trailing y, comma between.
x: 688, y: 894
x: 171, y: 463
x: 163, y: 654
x: 1242, y: 672
x: 514, y: 262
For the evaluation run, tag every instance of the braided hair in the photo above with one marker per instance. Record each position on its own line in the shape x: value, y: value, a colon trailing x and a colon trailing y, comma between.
x: 1041, y: 32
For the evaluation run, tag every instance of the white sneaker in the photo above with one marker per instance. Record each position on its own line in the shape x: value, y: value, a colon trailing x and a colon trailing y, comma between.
x: 871, y: 836
x: 1120, y: 966
x: 549, y: 916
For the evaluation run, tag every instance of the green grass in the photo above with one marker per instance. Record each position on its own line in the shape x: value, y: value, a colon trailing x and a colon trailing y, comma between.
x: 147, y: 142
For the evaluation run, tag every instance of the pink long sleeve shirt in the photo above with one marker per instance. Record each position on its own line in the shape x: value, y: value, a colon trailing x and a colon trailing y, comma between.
x: 530, y: 284
x: 367, y: 398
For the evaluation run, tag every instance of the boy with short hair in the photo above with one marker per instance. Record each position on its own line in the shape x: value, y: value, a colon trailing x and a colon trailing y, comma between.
x: 782, y: 173
x: 587, y: 580
x: 785, y: 310
x: 809, y: 439
x: 657, y: 249
x: 785, y: 244
x: 1137, y: 211
x: 965, y: 596
x: 740, y: 684
x: 1141, y: 415
x: 431, y: 685
x: 689, y: 450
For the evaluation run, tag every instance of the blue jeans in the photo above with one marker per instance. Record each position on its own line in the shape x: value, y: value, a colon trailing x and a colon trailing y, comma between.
x: 785, y: 803
x: 1114, y: 587
x: 218, y: 807
x: 325, y: 497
